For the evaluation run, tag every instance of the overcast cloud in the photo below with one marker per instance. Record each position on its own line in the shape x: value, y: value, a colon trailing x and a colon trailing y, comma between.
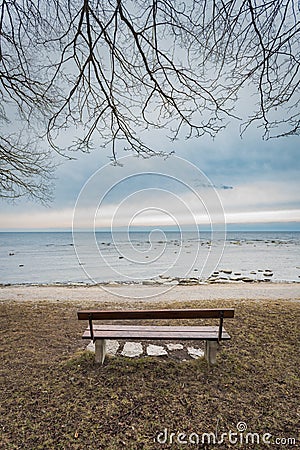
x: 257, y: 182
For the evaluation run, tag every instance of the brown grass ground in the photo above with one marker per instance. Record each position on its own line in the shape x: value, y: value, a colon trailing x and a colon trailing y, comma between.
x: 53, y: 396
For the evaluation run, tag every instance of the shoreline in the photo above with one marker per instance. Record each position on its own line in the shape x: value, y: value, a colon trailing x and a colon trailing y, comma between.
x: 151, y: 294
x: 145, y: 284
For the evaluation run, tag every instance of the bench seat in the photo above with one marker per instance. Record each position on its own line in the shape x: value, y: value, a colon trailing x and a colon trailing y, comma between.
x: 128, y: 332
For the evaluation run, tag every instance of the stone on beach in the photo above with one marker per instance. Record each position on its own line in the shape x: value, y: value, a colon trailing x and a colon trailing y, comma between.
x: 188, y: 281
x: 172, y: 283
x: 150, y: 282
x: 224, y: 281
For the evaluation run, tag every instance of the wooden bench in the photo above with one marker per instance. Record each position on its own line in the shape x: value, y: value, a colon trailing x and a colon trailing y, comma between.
x: 212, y: 335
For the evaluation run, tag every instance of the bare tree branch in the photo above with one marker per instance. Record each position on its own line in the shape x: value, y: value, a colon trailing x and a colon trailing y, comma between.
x: 111, y: 70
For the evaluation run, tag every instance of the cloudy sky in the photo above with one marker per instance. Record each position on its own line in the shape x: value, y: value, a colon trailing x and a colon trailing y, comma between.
x: 256, y: 181
x: 248, y: 183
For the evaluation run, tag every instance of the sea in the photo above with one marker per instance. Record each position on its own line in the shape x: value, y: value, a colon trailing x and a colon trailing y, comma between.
x: 138, y: 256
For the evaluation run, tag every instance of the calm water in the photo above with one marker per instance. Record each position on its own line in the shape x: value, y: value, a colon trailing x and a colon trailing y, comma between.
x: 51, y: 257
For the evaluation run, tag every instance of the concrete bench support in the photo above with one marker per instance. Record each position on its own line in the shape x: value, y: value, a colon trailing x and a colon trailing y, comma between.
x: 100, y: 350
x: 211, y: 351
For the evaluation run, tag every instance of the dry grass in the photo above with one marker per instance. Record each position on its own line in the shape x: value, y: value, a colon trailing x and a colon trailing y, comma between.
x: 54, y: 397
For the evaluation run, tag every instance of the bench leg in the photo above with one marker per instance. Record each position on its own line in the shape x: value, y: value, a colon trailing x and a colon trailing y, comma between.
x: 211, y: 351
x: 100, y: 350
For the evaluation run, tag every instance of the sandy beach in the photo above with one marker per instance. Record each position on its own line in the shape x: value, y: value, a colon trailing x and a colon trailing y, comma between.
x: 153, y: 294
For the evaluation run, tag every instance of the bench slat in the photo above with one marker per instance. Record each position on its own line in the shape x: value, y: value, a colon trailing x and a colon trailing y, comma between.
x: 178, y: 333
x: 228, y: 313
x: 154, y: 327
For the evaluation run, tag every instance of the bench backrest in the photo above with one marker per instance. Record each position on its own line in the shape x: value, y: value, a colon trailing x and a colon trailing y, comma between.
x: 227, y: 313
